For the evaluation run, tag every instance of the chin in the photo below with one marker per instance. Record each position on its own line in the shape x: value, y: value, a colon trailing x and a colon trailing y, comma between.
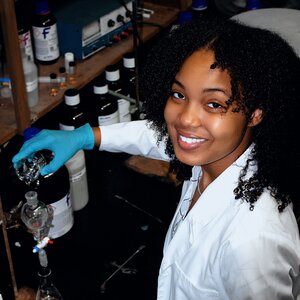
x: 185, y: 160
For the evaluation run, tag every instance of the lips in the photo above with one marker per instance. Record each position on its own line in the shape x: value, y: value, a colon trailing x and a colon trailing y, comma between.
x: 189, y: 143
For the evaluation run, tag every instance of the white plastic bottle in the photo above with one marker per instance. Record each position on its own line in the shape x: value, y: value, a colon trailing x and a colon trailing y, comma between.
x: 31, y: 79
x: 73, y: 117
x: 78, y: 180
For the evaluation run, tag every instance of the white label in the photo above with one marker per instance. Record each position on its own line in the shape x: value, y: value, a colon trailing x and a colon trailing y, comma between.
x: 77, y: 176
x: 62, y: 217
x: 109, y: 119
x: 31, y: 85
x: 46, y: 42
x: 124, y: 110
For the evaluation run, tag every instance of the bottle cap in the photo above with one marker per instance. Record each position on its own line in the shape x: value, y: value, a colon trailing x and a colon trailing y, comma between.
x: 72, y: 97
x: 42, y: 7
x: 53, y: 76
x: 253, y: 4
x: 199, y: 4
x: 69, y: 56
x: 62, y: 70
x: 30, y: 132
x: 72, y: 63
x: 185, y: 16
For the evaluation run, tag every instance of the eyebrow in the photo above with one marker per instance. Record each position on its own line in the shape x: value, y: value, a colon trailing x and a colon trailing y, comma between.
x: 206, y: 90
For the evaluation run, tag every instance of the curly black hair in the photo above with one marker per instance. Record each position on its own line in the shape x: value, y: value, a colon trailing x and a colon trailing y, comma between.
x: 265, y: 74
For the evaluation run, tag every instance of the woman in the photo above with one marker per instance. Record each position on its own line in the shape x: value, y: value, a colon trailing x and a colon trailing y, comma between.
x: 221, y: 101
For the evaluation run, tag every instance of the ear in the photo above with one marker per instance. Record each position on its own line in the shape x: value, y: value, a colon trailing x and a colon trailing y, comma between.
x: 256, y: 117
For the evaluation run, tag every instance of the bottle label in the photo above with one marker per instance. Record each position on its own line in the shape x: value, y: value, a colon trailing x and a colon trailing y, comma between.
x: 78, y: 180
x: 46, y: 42
x: 77, y: 176
x: 25, y: 41
x: 124, y: 110
x: 62, y: 217
x: 108, y: 119
x: 31, y: 85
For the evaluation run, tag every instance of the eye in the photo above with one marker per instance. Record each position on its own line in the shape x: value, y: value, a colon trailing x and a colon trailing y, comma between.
x: 216, y: 106
x: 177, y: 95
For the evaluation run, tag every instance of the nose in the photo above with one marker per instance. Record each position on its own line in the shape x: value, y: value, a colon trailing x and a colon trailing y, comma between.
x: 190, y: 116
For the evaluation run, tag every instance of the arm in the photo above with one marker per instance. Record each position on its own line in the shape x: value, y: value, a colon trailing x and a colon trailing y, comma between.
x: 121, y: 137
x: 134, y: 138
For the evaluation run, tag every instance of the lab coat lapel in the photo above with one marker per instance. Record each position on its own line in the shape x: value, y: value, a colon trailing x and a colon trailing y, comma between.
x: 214, y: 200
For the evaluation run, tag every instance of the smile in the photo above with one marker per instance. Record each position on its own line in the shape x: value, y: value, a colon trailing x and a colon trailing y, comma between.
x: 190, y: 140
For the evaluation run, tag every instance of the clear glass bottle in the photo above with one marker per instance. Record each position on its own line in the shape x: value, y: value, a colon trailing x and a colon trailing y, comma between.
x: 36, y: 216
x: 54, y: 85
x: 31, y: 79
x: 72, y: 76
x: 46, y: 289
x: 28, y: 169
x: 63, y: 80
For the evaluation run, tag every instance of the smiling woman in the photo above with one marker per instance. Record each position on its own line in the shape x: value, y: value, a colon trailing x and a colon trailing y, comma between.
x: 203, y: 131
x: 221, y: 101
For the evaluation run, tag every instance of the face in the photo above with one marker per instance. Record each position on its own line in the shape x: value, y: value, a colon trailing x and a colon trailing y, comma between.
x: 202, y: 130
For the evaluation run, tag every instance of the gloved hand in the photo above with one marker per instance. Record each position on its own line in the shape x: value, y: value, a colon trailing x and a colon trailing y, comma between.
x: 63, y: 144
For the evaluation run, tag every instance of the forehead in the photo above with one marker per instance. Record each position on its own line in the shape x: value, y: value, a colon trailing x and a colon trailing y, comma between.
x: 201, y: 66
x: 203, y: 57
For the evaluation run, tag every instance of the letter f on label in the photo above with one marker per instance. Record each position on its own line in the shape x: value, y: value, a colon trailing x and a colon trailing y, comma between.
x: 45, y: 32
x: 26, y: 38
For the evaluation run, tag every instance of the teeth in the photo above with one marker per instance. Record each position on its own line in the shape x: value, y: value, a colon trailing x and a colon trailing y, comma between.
x: 190, y: 140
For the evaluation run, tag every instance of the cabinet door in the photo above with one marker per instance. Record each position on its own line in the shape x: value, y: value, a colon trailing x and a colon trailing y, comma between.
x: 13, y: 118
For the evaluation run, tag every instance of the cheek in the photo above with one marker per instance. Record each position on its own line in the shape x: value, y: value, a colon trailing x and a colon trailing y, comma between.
x: 228, y: 130
x: 168, y: 112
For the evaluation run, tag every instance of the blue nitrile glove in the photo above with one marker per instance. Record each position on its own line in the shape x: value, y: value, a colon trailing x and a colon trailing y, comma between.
x: 63, y: 144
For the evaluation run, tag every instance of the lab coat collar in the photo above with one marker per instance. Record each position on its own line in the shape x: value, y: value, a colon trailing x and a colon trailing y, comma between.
x: 216, y: 198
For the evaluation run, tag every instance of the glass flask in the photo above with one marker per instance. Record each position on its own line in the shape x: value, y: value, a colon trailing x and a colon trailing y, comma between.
x: 28, y: 169
x: 47, y: 290
x: 36, y: 216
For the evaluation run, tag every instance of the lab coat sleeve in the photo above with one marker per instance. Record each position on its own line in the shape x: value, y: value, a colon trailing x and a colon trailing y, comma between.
x: 134, y: 138
x: 265, y: 268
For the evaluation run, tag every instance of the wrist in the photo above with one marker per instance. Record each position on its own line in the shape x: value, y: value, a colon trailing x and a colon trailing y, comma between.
x: 87, y: 135
x: 97, y: 136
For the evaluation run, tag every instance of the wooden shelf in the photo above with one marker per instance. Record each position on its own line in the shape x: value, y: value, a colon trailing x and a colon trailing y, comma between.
x: 86, y: 70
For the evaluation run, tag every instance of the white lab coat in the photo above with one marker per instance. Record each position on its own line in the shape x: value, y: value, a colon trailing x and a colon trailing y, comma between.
x: 221, y: 250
